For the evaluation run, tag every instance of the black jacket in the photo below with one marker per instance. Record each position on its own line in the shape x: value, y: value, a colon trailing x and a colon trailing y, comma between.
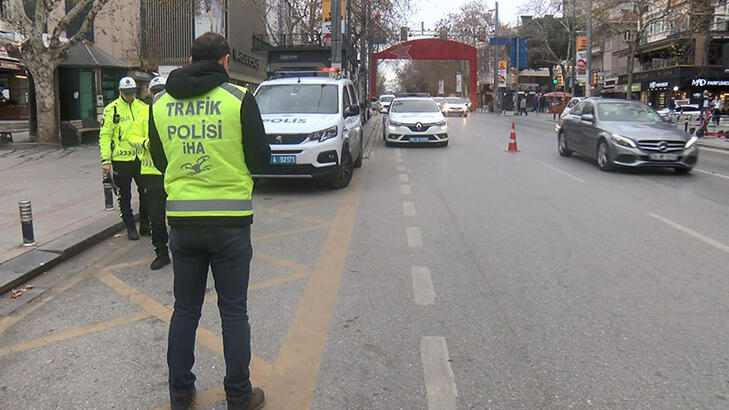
x: 196, y: 79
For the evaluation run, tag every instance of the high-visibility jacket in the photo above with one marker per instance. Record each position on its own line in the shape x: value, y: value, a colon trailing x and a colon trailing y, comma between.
x: 206, y: 173
x: 119, y: 116
x: 138, y: 137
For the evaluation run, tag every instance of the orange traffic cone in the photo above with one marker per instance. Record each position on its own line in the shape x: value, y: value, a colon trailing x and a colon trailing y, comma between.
x: 512, y: 140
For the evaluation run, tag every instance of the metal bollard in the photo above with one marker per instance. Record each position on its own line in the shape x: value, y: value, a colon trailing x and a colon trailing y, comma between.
x: 26, y: 223
x: 108, y: 192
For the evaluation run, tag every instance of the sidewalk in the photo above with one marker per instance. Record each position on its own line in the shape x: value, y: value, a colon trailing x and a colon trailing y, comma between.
x: 709, y: 142
x: 66, y: 192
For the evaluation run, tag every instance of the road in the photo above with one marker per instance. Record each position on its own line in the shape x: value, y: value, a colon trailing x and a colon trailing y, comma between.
x: 461, y: 277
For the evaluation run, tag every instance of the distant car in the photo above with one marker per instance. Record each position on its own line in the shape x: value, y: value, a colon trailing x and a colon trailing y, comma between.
x: 385, y: 101
x: 625, y: 133
x: 455, y: 105
x: 688, y: 111
x: 440, y: 101
x: 415, y: 120
x: 570, y: 105
x: 375, y: 104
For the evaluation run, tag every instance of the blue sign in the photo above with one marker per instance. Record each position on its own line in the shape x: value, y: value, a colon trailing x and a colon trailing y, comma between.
x: 499, y: 41
x: 522, y: 52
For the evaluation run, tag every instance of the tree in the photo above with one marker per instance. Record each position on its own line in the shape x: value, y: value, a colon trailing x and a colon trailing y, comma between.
x: 43, y: 47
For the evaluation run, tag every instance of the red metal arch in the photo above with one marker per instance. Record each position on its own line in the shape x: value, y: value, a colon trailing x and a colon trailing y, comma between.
x: 429, y: 49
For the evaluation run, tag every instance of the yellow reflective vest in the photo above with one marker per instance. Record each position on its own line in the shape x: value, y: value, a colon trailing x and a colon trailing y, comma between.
x: 119, y: 116
x: 201, y: 137
x: 138, y: 137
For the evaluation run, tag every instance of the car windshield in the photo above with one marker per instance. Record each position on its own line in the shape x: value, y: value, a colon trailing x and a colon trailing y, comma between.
x: 627, y: 112
x: 454, y: 100
x: 298, y: 99
x: 386, y: 98
x: 414, y: 106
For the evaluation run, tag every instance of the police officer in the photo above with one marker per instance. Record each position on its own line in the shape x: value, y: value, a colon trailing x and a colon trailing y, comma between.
x: 152, y: 181
x: 206, y: 136
x: 117, y: 152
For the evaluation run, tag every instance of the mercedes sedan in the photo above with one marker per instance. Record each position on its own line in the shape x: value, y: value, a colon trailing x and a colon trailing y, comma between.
x: 625, y: 133
x: 415, y: 120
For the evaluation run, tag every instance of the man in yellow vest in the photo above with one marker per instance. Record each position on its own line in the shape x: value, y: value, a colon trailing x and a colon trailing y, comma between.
x: 152, y: 181
x: 117, y: 152
x: 206, y: 136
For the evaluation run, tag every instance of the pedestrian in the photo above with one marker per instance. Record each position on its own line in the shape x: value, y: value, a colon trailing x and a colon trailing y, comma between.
x: 152, y: 181
x: 718, y: 106
x: 209, y: 185
x: 120, y: 158
x: 524, y: 106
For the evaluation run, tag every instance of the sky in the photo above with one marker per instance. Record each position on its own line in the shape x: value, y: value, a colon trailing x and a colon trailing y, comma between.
x: 430, y: 11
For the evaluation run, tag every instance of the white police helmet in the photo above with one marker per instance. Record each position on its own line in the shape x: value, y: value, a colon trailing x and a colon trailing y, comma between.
x: 157, y: 84
x: 127, y: 85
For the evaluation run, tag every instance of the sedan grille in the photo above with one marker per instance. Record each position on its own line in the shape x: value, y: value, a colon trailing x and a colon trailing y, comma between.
x: 661, y: 146
x: 422, y: 128
x: 288, y: 139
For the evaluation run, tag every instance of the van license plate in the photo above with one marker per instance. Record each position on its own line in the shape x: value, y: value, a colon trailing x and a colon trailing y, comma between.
x: 283, y: 159
x: 664, y: 157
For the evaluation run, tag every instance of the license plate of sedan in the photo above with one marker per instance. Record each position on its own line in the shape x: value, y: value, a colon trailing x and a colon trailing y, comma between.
x: 419, y: 139
x: 664, y: 157
x: 283, y: 159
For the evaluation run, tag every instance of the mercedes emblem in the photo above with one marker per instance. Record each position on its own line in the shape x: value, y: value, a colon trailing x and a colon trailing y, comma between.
x: 663, y: 146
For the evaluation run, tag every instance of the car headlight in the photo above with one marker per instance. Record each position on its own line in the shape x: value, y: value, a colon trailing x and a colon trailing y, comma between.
x: 441, y: 123
x: 324, y: 135
x: 620, y: 140
x: 691, y: 142
x: 395, y: 123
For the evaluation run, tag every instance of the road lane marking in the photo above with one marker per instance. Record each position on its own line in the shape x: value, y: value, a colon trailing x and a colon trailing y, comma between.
x: 567, y: 174
x: 440, y: 383
x: 716, y: 174
x: 718, y: 151
x: 408, y: 208
x: 403, y: 177
x: 213, y: 296
x: 401, y: 168
x: 415, y: 240
x: 405, y: 189
x: 399, y: 160
x: 398, y: 153
x: 422, y: 285
x: 73, y: 332
x: 692, y: 233
x: 293, y: 215
x: 274, y: 235
x: 294, y: 376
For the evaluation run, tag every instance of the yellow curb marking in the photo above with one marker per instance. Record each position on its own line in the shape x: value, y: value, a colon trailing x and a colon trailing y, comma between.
x: 292, y: 215
x: 286, y: 233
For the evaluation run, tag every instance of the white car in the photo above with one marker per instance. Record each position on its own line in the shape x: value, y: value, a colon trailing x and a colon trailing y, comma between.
x: 313, y: 126
x: 415, y: 120
x: 455, y: 105
x: 684, y: 112
x: 385, y: 101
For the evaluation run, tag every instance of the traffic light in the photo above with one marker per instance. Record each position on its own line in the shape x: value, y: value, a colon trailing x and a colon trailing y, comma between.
x: 554, y: 81
x: 403, y: 34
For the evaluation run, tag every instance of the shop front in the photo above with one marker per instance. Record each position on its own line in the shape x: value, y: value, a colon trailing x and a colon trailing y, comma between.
x: 714, y: 86
x: 13, y: 88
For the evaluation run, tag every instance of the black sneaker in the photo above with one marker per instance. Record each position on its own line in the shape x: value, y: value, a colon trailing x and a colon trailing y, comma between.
x: 162, y: 260
x: 181, y: 400
x: 256, y: 401
x: 132, y: 233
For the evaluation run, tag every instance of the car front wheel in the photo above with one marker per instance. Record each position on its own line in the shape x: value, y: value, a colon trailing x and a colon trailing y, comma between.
x: 603, y: 157
x: 562, y: 146
x: 343, y: 173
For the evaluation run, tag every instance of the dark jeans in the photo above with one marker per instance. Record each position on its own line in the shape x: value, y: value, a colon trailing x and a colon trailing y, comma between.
x: 154, y: 201
x: 124, y: 172
x: 228, y: 252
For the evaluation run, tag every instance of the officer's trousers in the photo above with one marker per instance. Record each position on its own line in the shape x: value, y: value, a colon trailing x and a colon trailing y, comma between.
x: 155, y: 198
x: 124, y: 172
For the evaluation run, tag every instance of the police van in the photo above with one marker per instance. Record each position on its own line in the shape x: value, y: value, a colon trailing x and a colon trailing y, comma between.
x: 313, y: 126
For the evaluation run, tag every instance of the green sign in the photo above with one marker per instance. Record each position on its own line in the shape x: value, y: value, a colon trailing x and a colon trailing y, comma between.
x: 635, y: 87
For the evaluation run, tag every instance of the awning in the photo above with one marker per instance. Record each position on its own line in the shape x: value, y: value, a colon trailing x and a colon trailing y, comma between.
x: 86, y: 55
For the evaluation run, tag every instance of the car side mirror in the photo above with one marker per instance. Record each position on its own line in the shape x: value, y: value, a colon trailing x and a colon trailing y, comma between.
x: 588, y: 117
x: 351, y: 111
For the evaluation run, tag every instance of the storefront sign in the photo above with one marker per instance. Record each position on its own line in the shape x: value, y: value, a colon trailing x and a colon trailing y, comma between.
x: 703, y: 82
x: 246, y: 59
x: 635, y: 87
x: 610, y: 83
x: 658, y: 84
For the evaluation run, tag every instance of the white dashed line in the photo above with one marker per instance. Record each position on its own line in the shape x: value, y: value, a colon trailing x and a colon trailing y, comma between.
x: 692, y: 233
x: 398, y: 153
x: 567, y: 174
x: 408, y: 208
x: 716, y: 174
x: 415, y: 240
x: 404, y: 178
x: 440, y: 383
x: 405, y: 189
x: 401, y: 168
x: 422, y: 285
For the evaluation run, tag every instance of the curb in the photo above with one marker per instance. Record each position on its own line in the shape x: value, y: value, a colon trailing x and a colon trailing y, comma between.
x: 27, y: 266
